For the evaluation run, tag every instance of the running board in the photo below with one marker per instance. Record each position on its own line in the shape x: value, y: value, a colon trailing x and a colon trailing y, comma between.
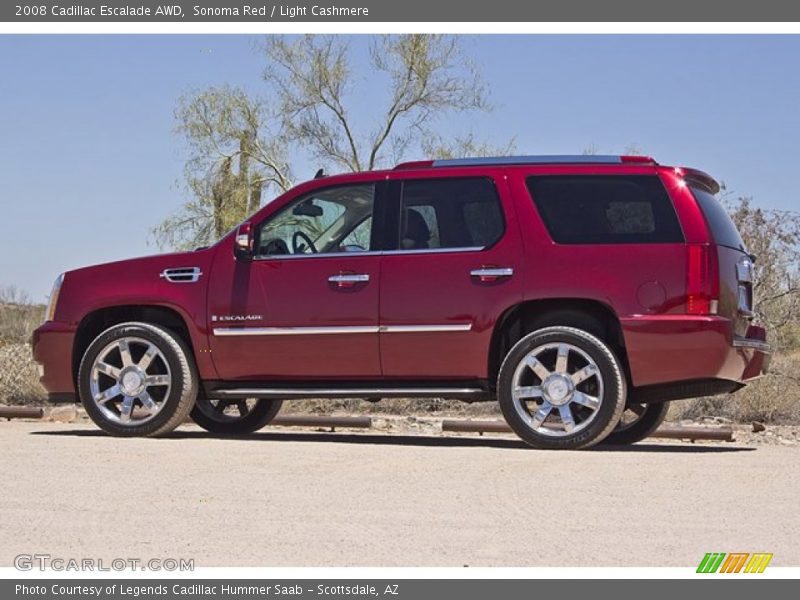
x: 307, y: 393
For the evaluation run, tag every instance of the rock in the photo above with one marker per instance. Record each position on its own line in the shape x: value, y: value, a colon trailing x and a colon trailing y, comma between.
x: 758, y: 426
x: 63, y: 414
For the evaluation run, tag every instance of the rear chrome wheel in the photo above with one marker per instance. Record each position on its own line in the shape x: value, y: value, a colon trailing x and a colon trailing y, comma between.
x: 558, y: 401
x: 137, y: 379
x: 234, y: 417
x: 561, y: 387
x: 638, y: 422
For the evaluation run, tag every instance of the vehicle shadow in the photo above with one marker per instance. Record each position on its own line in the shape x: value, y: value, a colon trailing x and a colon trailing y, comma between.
x: 407, y: 440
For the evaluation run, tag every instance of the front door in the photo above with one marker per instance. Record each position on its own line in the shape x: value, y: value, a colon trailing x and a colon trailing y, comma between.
x: 307, y: 306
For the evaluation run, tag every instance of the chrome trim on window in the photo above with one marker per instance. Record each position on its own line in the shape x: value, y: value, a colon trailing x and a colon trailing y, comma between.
x: 315, y: 255
x: 181, y: 274
x: 369, y: 253
x: 425, y: 328
x: 434, y: 250
x: 228, y: 331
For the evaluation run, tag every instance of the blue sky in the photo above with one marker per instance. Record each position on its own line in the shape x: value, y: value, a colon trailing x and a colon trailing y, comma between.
x: 90, y: 163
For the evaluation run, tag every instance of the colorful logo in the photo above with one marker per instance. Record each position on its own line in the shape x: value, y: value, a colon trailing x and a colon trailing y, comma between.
x: 735, y: 562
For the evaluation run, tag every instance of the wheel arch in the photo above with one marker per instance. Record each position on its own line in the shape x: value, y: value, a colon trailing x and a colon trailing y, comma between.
x: 98, y: 320
x: 593, y: 316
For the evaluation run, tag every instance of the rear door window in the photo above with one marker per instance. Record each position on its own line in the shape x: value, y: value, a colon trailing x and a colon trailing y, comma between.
x: 450, y: 213
x: 605, y: 209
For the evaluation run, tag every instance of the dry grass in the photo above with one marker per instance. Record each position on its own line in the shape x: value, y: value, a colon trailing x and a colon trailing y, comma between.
x: 775, y: 398
x: 19, y: 378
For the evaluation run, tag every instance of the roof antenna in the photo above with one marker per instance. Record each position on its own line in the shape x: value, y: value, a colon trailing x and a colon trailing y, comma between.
x: 320, y: 173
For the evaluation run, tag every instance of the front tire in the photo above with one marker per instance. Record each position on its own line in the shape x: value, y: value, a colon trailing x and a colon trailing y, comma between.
x: 234, y: 417
x: 137, y: 379
x: 638, y: 422
x: 561, y: 388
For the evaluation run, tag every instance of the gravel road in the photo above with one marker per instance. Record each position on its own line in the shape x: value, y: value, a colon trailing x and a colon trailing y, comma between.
x: 317, y: 499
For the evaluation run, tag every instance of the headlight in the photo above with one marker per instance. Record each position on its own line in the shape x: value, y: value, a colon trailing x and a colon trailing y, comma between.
x: 51, y: 305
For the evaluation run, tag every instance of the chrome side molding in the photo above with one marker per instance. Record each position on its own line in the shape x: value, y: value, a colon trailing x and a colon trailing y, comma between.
x: 342, y: 330
x: 223, y: 331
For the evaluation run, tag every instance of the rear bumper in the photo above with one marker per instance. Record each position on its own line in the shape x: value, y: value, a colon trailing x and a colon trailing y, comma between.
x: 674, y: 348
x: 52, y: 349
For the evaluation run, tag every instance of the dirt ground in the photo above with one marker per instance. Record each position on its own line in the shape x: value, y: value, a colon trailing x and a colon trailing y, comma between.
x: 302, y: 498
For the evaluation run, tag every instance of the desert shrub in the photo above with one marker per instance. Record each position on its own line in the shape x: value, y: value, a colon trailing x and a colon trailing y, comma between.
x: 18, y: 315
x: 19, y: 377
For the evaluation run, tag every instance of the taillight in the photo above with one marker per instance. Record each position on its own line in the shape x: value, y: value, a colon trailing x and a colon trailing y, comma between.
x: 702, y: 280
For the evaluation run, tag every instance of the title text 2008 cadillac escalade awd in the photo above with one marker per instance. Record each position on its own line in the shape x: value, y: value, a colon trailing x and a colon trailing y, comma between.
x: 583, y: 293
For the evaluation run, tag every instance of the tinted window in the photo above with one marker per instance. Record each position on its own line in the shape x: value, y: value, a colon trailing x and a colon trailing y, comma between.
x: 722, y: 227
x: 450, y: 213
x: 605, y: 209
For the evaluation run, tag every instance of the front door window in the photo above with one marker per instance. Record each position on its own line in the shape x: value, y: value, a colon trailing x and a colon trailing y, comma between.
x: 327, y: 221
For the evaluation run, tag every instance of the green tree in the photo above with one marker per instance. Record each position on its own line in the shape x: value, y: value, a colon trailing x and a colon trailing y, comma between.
x: 239, y: 145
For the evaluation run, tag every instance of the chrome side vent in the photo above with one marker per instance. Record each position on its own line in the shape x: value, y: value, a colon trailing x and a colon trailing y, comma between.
x: 181, y: 274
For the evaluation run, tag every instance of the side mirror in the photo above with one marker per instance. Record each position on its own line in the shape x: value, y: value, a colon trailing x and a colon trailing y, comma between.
x: 243, y: 244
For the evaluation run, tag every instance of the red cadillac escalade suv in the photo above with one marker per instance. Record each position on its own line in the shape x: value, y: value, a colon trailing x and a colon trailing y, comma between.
x: 582, y: 292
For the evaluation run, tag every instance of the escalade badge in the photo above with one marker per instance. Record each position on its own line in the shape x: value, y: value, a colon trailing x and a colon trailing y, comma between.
x: 237, y: 317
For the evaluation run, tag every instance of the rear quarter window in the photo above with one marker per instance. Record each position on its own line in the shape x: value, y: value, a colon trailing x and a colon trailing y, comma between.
x: 719, y: 221
x: 605, y: 209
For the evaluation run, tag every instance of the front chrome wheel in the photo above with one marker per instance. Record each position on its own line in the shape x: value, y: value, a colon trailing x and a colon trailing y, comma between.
x: 130, y: 379
x: 557, y: 389
x: 137, y: 379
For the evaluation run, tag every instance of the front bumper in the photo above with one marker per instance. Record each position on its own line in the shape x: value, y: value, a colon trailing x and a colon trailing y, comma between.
x: 52, y: 346
x: 672, y: 348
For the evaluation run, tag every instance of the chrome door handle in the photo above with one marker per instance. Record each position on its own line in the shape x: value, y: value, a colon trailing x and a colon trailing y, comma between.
x: 348, y: 280
x: 354, y: 278
x: 492, y: 273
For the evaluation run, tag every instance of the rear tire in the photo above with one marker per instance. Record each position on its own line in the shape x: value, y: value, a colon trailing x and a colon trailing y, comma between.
x: 215, y: 416
x: 640, y: 426
x: 137, y: 379
x: 561, y: 388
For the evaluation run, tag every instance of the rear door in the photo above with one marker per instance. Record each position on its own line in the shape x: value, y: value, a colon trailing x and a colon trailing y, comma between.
x: 454, y: 269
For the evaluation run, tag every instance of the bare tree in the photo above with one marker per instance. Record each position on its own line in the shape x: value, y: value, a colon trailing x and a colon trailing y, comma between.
x: 235, y: 156
x: 426, y: 75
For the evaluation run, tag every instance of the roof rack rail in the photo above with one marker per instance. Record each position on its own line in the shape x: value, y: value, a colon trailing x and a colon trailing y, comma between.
x: 554, y: 159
